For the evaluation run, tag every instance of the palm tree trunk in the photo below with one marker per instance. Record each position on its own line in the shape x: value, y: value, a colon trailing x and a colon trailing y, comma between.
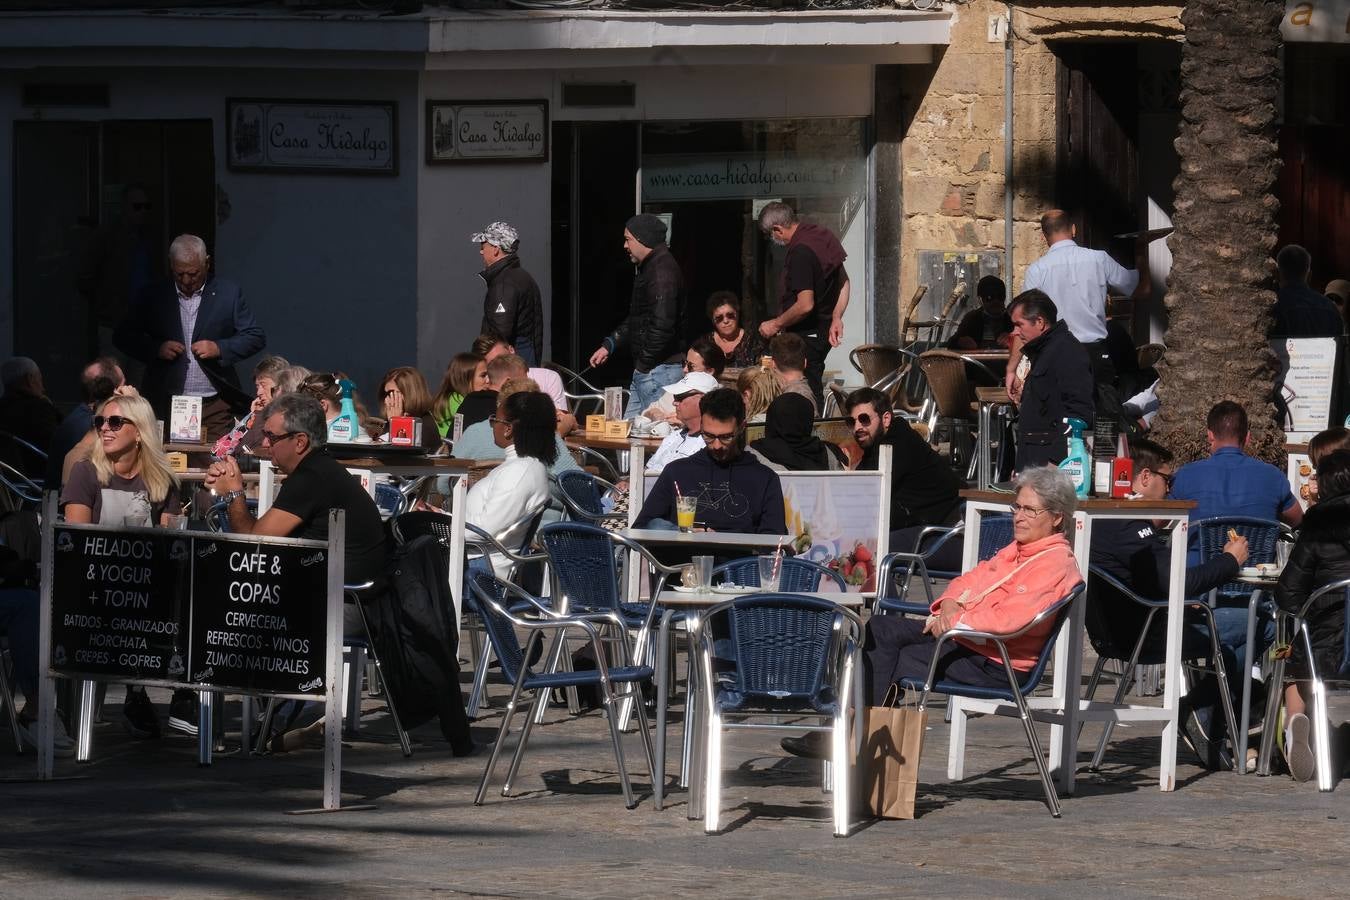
x: 1219, y: 293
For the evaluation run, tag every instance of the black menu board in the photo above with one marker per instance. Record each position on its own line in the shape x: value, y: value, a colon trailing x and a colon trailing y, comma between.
x: 259, y: 614
x: 124, y: 603
x: 223, y: 611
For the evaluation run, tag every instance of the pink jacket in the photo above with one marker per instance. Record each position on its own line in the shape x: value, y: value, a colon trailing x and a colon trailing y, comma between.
x: 1007, y: 606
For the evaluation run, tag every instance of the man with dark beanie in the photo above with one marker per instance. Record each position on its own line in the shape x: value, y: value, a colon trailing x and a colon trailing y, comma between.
x: 655, y: 324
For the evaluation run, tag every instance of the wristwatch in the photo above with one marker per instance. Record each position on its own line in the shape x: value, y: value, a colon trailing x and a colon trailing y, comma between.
x: 231, y: 496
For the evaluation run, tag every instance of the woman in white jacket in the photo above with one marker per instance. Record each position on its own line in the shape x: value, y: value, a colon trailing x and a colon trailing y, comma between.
x: 523, y: 427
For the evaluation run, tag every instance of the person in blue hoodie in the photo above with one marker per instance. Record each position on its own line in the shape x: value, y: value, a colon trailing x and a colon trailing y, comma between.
x: 735, y: 491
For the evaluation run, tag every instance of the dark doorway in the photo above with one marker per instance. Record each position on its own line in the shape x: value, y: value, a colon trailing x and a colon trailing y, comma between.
x: 71, y: 243
x: 1097, y: 164
x: 594, y: 193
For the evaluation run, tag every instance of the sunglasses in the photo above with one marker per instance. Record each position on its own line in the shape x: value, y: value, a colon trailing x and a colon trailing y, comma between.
x: 273, y: 439
x: 496, y: 420
x: 114, y: 423
x: 725, y: 317
x: 863, y: 419
x: 723, y: 439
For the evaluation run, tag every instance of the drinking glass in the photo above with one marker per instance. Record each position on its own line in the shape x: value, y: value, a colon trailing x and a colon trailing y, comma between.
x: 770, y: 568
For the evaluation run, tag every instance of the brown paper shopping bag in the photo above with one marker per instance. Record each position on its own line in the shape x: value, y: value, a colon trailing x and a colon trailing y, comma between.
x: 889, y: 767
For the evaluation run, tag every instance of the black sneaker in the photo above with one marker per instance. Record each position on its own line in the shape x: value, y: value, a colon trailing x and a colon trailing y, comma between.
x: 1202, y: 729
x: 138, y: 715
x: 183, y: 712
x: 812, y: 745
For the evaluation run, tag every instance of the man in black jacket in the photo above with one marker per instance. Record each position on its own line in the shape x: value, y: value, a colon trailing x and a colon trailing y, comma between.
x: 923, y: 486
x: 512, y: 309
x: 655, y: 324
x: 1135, y: 553
x: 1053, y: 381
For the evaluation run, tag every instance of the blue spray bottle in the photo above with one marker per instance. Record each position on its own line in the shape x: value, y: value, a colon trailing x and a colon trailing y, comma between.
x: 1078, y: 464
x: 345, y: 428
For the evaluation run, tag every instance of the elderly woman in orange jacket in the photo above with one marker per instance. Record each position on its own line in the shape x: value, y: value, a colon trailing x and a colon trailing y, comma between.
x: 1001, y: 594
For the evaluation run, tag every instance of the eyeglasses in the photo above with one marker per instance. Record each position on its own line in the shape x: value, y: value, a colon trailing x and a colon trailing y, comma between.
x: 273, y: 439
x: 723, y: 439
x: 863, y: 419
x: 114, y: 423
x: 1031, y: 512
x: 495, y: 420
x: 725, y: 317
x: 1167, y: 478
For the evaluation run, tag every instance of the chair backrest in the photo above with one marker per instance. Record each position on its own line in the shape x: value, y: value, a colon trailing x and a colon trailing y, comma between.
x: 796, y: 574
x: 1114, y: 615
x: 581, y: 558
x: 415, y: 524
x: 996, y: 532
x: 491, y: 595
x: 875, y: 361
x: 782, y: 646
x: 582, y: 489
x: 1058, y: 612
x: 1210, y: 535
x: 946, y: 374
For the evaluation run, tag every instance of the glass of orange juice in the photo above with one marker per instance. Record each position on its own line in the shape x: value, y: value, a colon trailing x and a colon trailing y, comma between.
x: 685, y: 507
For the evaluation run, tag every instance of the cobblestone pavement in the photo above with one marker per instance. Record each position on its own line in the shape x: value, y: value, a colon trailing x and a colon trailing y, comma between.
x: 143, y: 820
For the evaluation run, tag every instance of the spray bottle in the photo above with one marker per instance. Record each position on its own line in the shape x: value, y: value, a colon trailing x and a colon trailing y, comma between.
x: 1078, y: 464
x: 345, y: 428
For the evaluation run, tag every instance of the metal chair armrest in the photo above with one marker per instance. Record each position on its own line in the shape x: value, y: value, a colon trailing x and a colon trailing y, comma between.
x: 486, y: 543
x: 914, y: 560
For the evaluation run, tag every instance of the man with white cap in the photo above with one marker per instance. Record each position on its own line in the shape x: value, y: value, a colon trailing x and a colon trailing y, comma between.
x: 687, y: 440
x: 512, y: 308
x: 654, y: 328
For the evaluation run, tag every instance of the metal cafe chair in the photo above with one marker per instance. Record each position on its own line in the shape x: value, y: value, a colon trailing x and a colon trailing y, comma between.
x: 1104, y: 643
x: 784, y: 654
x: 495, y: 600
x: 7, y: 697
x: 796, y: 574
x: 1295, y: 628
x: 583, y: 495
x: 1019, y: 685
x: 893, y: 587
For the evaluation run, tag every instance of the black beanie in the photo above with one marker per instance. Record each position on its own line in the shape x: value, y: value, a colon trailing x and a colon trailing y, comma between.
x: 648, y: 229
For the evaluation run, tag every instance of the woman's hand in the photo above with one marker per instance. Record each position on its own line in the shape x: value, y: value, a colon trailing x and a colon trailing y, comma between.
x: 393, y: 404
x: 940, y: 624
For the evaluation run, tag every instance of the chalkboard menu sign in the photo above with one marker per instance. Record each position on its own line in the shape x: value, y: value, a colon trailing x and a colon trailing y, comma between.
x: 227, y: 612
x: 124, y: 604
x: 259, y: 616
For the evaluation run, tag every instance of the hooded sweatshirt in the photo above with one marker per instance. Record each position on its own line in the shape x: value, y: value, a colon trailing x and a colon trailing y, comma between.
x: 742, y: 496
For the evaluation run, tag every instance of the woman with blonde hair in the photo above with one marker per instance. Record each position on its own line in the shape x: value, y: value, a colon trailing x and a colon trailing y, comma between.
x: 127, y: 481
x: 759, y: 387
x: 466, y: 373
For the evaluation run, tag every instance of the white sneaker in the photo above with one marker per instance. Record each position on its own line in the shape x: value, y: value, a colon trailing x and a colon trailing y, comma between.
x: 62, y: 745
x: 1298, y: 751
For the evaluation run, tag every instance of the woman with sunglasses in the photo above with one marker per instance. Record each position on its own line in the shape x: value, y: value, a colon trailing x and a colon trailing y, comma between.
x: 740, y: 347
x: 127, y: 481
x: 702, y: 356
x: 1001, y: 595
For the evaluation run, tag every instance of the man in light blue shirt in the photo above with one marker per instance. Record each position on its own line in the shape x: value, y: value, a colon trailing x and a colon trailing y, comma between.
x: 1077, y: 280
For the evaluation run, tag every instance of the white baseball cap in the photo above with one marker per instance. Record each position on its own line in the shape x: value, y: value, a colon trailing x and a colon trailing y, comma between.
x: 694, y: 382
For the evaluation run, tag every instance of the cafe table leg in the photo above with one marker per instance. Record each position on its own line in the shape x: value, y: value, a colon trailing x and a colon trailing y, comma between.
x: 662, y: 664
x: 84, y: 729
x: 1239, y: 740
x: 205, y: 720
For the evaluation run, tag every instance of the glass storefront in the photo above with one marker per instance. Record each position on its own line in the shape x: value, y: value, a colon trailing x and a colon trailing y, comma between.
x: 709, y: 180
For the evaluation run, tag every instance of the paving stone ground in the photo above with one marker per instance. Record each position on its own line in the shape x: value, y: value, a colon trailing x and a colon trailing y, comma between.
x: 143, y: 820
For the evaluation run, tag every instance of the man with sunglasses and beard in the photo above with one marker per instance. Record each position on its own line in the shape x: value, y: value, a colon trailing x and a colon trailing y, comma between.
x: 923, y: 486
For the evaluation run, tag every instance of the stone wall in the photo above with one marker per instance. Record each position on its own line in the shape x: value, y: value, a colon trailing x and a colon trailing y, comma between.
x: 952, y: 166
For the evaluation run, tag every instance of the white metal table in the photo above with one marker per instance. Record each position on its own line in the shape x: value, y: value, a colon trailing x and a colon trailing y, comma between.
x: 1064, y: 709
